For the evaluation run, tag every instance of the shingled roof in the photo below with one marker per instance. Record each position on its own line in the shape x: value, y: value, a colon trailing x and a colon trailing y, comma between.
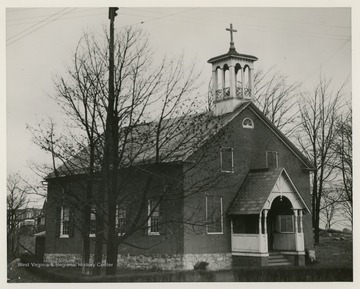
x: 232, y: 53
x: 179, y: 138
x: 254, y: 191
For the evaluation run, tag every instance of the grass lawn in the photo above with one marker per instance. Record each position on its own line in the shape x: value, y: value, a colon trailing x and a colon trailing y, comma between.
x: 335, y: 250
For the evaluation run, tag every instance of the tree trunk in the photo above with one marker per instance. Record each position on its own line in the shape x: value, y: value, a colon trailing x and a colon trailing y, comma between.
x: 99, y: 235
x: 86, y: 241
x: 111, y: 253
x: 317, y: 230
x: 313, y: 205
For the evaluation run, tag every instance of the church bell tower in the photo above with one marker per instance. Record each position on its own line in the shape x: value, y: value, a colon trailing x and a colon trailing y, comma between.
x: 232, y: 79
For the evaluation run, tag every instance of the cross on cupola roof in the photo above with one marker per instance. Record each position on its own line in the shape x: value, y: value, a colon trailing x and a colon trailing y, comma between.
x: 232, y: 46
x: 232, y: 79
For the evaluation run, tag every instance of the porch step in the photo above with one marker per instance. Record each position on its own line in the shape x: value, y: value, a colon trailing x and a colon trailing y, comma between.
x: 277, y: 259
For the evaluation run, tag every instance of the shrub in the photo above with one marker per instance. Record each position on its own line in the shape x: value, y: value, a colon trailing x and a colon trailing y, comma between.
x: 201, y: 265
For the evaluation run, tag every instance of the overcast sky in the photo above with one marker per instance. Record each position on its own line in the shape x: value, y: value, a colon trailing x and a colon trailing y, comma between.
x: 300, y: 42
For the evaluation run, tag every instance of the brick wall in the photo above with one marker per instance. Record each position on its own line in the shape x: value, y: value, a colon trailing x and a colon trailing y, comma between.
x: 249, y: 147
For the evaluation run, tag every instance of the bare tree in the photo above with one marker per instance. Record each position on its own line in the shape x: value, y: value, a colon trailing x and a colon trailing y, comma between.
x: 146, y: 120
x: 17, y: 199
x: 330, y: 207
x: 277, y: 99
x: 343, y: 161
x: 319, y: 114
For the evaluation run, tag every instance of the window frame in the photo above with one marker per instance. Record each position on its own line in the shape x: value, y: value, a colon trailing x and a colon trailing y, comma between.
x: 29, y: 215
x: 119, y: 225
x: 221, y: 215
x: 280, y: 222
x: 232, y: 159
x: 62, y: 220
x: 252, y: 126
x: 267, y: 159
x: 151, y: 218
x: 42, y: 221
x: 92, y: 214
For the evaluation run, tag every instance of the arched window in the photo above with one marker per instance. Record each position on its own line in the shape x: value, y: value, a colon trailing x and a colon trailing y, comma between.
x: 248, y: 123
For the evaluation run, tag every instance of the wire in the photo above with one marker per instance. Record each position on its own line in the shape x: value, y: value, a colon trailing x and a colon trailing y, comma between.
x: 40, y: 26
x: 44, y: 15
x: 65, y: 18
x: 37, y: 23
x: 168, y: 15
x: 255, y: 27
x: 283, y: 20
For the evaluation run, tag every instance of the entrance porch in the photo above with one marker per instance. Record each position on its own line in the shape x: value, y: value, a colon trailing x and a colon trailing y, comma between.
x: 269, y: 231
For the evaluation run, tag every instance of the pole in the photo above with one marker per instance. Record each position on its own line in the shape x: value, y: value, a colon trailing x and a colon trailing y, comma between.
x: 111, y: 156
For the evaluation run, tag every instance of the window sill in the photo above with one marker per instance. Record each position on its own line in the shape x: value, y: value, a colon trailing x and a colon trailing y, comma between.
x: 64, y: 236
x: 215, y: 233
x: 153, y: 233
x: 92, y: 235
x: 229, y: 172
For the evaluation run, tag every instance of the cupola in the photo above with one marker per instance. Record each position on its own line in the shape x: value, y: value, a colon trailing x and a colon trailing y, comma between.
x: 232, y: 79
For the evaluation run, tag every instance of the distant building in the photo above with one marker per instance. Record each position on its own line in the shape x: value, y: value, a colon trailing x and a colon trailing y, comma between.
x: 26, y: 221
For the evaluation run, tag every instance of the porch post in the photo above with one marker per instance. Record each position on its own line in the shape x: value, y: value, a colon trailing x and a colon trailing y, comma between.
x: 265, y: 222
x: 260, y: 233
x: 266, y: 247
x: 296, y: 229
x: 260, y: 227
x: 296, y: 220
x: 301, y: 221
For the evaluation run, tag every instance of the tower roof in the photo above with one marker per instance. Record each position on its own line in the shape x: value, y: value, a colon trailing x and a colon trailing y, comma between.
x: 232, y: 53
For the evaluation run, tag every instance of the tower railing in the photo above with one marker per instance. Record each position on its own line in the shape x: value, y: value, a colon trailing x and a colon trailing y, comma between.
x: 224, y: 93
x: 240, y: 92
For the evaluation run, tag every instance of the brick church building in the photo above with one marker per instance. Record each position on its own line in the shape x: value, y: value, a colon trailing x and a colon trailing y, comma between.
x: 237, y: 193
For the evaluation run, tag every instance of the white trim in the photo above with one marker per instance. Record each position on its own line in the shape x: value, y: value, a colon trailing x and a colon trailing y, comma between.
x: 232, y: 160
x: 292, y: 252
x: 245, y: 235
x: 273, y: 195
x: 61, y: 235
x: 250, y: 254
x: 252, y: 126
x: 289, y: 179
x: 149, y: 232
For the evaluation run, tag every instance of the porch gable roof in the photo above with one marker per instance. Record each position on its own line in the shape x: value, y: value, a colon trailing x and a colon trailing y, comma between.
x: 255, y: 191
